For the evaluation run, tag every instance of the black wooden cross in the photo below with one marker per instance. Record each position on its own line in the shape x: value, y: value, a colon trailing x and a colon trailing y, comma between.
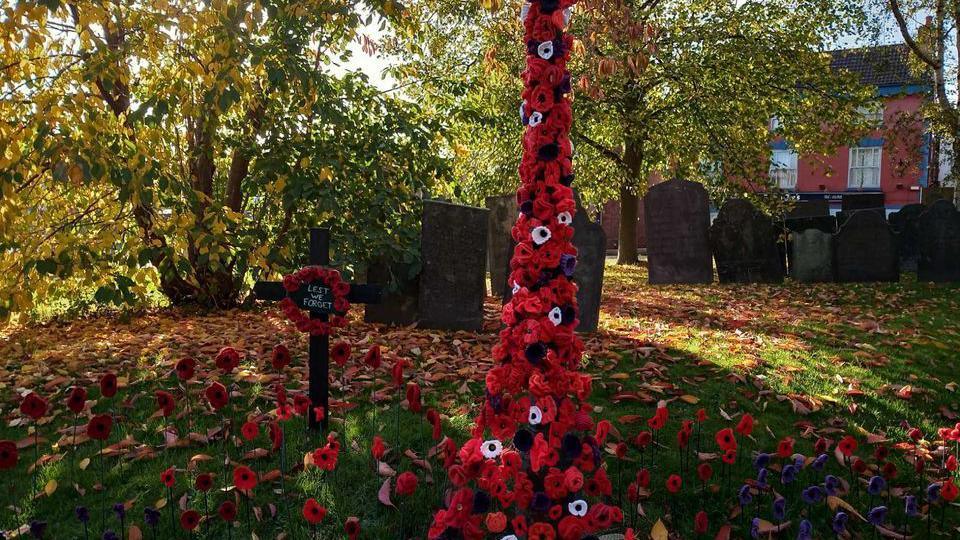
x: 319, y: 360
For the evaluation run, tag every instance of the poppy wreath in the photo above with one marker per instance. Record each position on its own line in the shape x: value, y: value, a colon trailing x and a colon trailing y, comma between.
x: 301, y: 319
x: 533, y: 467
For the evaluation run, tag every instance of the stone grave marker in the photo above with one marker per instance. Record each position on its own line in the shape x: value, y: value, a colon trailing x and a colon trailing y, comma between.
x: 807, y: 209
x: 865, y: 250
x: 453, y: 248
x: 744, y: 243
x: 859, y: 202
x: 904, y: 223
x: 503, y: 214
x: 591, y: 243
x: 811, y: 258
x: 677, y: 214
x: 939, y: 253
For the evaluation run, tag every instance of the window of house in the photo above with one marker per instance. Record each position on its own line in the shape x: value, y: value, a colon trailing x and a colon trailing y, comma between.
x: 872, y: 114
x: 783, y: 168
x: 774, y: 123
x: 864, y: 170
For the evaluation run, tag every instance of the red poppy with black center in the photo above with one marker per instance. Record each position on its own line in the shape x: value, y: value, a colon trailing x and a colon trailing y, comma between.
x: 99, y: 427
x: 250, y: 430
x: 859, y: 465
x: 168, y: 477
x: 186, y: 368
x: 352, y: 528
x: 189, y: 520
x: 8, y: 455
x: 216, y: 395
x: 847, y: 446
x: 165, y: 402
x: 313, y: 512
x: 880, y: 453
x: 33, y: 406
x: 674, y: 483
x: 108, y: 385
x: 373, y: 358
x: 745, y: 426
x: 244, y: 478
x: 77, y: 399
x: 204, y: 482
x: 301, y: 404
x: 340, y: 353
x: 227, y: 360
x: 280, y: 357
x: 726, y: 440
x: 785, y: 447
x: 227, y: 511
x: 889, y: 470
x: 325, y: 458
x: 730, y: 457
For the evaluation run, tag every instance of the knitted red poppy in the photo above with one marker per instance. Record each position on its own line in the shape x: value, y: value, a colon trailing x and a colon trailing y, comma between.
x: 301, y: 319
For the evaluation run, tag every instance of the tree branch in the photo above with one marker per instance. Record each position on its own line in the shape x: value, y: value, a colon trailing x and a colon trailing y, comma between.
x: 604, y: 151
x: 912, y: 43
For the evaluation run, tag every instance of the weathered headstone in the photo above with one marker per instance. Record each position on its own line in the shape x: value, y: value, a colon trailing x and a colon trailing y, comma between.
x: 936, y: 193
x: 861, y: 202
x: 853, y: 202
x: 744, y: 243
x: 939, y: 254
x: 807, y: 209
x: 811, y: 258
x: 865, y: 250
x: 813, y: 214
x: 677, y: 214
x: 591, y: 243
x: 400, y: 304
x: 904, y: 223
x: 453, y: 248
x: 503, y: 214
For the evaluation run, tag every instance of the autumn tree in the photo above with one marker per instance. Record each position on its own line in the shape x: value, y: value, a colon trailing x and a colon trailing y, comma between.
x: 672, y: 87
x: 182, y: 143
x: 929, y: 28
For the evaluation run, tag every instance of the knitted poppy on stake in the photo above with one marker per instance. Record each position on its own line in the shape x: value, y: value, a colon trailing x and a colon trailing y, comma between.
x: 535, y: 449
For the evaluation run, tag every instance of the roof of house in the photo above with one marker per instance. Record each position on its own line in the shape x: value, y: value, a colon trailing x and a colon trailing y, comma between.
x: 883, y: 65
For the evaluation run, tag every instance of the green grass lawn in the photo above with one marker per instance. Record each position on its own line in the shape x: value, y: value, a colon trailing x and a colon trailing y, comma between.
x: 806, y: 361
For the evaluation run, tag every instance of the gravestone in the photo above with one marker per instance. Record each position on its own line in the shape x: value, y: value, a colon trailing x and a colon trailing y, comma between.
x: 861, y: 202
x: 853, y: 202
x: 590, y: 240
x: 453, y: 252
x: 904, y: 223
x: 933, y: 194
x: 677, y: 214
x: 808, y: 209
x: 939, y: 253
x: 400, y: 303
x: 744, y: 243
x: 591, y: 243
x: 503, y: 214
x: 811, y: 257
x: 865, y: 250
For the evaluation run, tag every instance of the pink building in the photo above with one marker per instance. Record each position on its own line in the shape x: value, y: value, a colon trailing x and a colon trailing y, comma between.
x: 892, y: 159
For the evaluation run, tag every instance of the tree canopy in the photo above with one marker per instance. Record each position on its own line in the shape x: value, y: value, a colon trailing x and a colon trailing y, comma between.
x: 662, y: 87
x: 179, y: 143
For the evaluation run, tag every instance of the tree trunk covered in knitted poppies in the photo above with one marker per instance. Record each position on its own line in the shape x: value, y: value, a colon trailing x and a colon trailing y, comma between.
x: 533, y: 467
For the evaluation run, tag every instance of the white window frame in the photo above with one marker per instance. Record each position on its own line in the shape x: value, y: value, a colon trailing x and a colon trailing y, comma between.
x: 864, y: 168
x: 783, y: 168
x: 872, y: 114
x: 774, y: 123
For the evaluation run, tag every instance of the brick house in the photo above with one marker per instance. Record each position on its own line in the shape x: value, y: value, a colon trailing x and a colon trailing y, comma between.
x: 892, y: 159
